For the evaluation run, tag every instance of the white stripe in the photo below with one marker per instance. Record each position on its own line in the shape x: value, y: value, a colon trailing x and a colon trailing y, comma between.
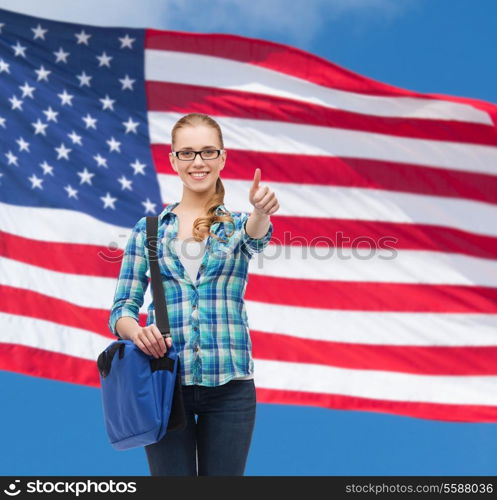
x: 311, y: 263
x: 63, y: 226
x: 49, y: 336
x: 476, y: 390
x: 81, y: 290
x: 469, y: 390
x: 290, y: 138
x: 357, y: 204
x: 197, y: 69
x: 374, y: 328
x: 319, y: 324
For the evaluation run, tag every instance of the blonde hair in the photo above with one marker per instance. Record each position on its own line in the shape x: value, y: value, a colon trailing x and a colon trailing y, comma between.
x: 202, y: 225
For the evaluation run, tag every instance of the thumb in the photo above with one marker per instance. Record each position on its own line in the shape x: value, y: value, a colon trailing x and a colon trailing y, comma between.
x: 257, y: 179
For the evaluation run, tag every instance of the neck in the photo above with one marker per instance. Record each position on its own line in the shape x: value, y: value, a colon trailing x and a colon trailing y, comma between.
x: 195, y: 202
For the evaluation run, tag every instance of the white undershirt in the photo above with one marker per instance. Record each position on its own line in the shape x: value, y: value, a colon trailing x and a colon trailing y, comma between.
x: 191, y: 254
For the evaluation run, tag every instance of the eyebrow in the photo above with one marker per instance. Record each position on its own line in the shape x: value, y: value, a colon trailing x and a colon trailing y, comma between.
x: 203, y: 147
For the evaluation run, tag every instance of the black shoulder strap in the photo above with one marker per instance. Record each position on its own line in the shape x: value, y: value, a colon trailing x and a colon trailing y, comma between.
x: 159, y: 297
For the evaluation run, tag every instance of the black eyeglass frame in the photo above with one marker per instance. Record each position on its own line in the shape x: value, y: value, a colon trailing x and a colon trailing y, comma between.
x: 219, y: 152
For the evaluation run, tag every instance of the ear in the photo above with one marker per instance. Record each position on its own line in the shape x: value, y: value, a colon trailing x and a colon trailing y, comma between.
x: 223, y: 161
x: 171, y: 160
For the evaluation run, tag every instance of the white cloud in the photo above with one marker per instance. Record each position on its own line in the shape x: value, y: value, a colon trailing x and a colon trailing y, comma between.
x: 293, y: 21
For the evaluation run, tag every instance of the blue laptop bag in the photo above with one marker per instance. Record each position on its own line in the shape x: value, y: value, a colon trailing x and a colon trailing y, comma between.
x: 141, y: 395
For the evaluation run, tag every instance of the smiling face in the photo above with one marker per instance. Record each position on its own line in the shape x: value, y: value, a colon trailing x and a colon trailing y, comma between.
x: 197, y: 138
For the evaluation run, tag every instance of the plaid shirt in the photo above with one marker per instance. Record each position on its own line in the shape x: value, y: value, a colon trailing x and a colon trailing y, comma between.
x: 208, y: 320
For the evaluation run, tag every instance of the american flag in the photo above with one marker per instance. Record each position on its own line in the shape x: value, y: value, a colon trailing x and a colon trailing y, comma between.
x: 378, y: 291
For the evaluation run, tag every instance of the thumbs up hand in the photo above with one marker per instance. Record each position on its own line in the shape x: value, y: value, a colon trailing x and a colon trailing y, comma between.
x: 262, y: 198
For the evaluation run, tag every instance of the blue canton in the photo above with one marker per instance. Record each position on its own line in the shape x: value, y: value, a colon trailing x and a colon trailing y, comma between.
x: 73, y: 119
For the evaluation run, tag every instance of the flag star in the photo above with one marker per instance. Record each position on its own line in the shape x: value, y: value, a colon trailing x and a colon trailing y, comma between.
x: 4, y: 66
x: 19, y: 49
x: 149, y: 206
x: 1, y: 26
x: 16, y: 103
x: 71, y: 193
x: 51, y: 114
x: 113, y: 145
x: 75, y: 138
x: 62, y: 152
x: 11, y: 158
x: 138, y: 167
x: 127, y: 82
x: 61, y: 55
x: 42, y: 74
x: 27, y: 91
x: 47, y: 169
x: 126, y: 41
x: 39, y: 32
x: 85, y: 176
x: 82, y: 37
x: 107, y: 103
x: 35, y: 182
x: 131, y: 125
x: 104, y: 60
x: 100, y: 160
x: 65, y: 98
x: 125, y: 183
x: 84, y: 79
x: 108, y: 201
x: 2, y: 122
x: 40, y: 127
x: 89, y: 121
x: 23, y: 145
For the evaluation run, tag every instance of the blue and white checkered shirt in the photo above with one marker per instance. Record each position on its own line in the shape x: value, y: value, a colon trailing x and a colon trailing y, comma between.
x: 208, y: 320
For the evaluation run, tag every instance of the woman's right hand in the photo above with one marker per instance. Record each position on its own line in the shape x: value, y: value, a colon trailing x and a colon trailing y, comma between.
x: 149, y: 339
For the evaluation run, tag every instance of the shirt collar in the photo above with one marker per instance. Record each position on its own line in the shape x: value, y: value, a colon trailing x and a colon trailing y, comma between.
x: 170, y: 206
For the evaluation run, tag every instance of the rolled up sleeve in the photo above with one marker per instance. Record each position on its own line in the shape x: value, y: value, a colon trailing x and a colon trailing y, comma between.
x: 254, y: 245
x: 132, y: 282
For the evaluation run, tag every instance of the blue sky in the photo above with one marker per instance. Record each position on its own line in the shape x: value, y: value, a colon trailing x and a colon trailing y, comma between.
x: 439, y: 46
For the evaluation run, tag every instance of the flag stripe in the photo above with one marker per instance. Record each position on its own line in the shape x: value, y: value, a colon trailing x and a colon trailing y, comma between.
x: 361, y: 204
x: 179, y: 65
x: 290, y: 138
x: 273, y: 374
x: 433, y: 360
x: 350, y: 172
x: 349, y: 326
x: 432, y: 411
x: 383, y: 385
x: 181, y: 98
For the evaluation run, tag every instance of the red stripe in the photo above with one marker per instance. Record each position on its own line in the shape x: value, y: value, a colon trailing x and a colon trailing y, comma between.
x: 330, y: 295
x: 363, y: 296
x: 22, y: 302
x: 349, y: 172
x: 71, y: 258
x: 289, y: 231
x: 47, y: 364
x: 50, y: 365
x: 183, y: 98
x: 292, y: 61
x: 432, y: 411
x: 421, y: 360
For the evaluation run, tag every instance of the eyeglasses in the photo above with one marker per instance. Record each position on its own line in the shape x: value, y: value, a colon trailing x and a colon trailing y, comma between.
x: 206, y: 154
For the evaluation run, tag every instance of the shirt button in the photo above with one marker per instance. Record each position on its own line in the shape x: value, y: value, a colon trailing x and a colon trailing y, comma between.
x: 195, y: 313
x: 195, y: 328
x: 197, y: 348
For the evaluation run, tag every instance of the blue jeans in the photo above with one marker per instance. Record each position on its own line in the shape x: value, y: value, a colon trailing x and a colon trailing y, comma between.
x: 219, y: 438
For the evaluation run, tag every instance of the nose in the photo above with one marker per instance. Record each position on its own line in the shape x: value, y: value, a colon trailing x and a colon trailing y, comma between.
x: 198, y: 161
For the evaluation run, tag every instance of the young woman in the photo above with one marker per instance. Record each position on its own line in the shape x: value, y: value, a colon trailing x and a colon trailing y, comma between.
x: 204, y: 253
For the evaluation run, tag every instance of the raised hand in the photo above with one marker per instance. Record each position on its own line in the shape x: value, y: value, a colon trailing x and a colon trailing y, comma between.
x: 262, y: 198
